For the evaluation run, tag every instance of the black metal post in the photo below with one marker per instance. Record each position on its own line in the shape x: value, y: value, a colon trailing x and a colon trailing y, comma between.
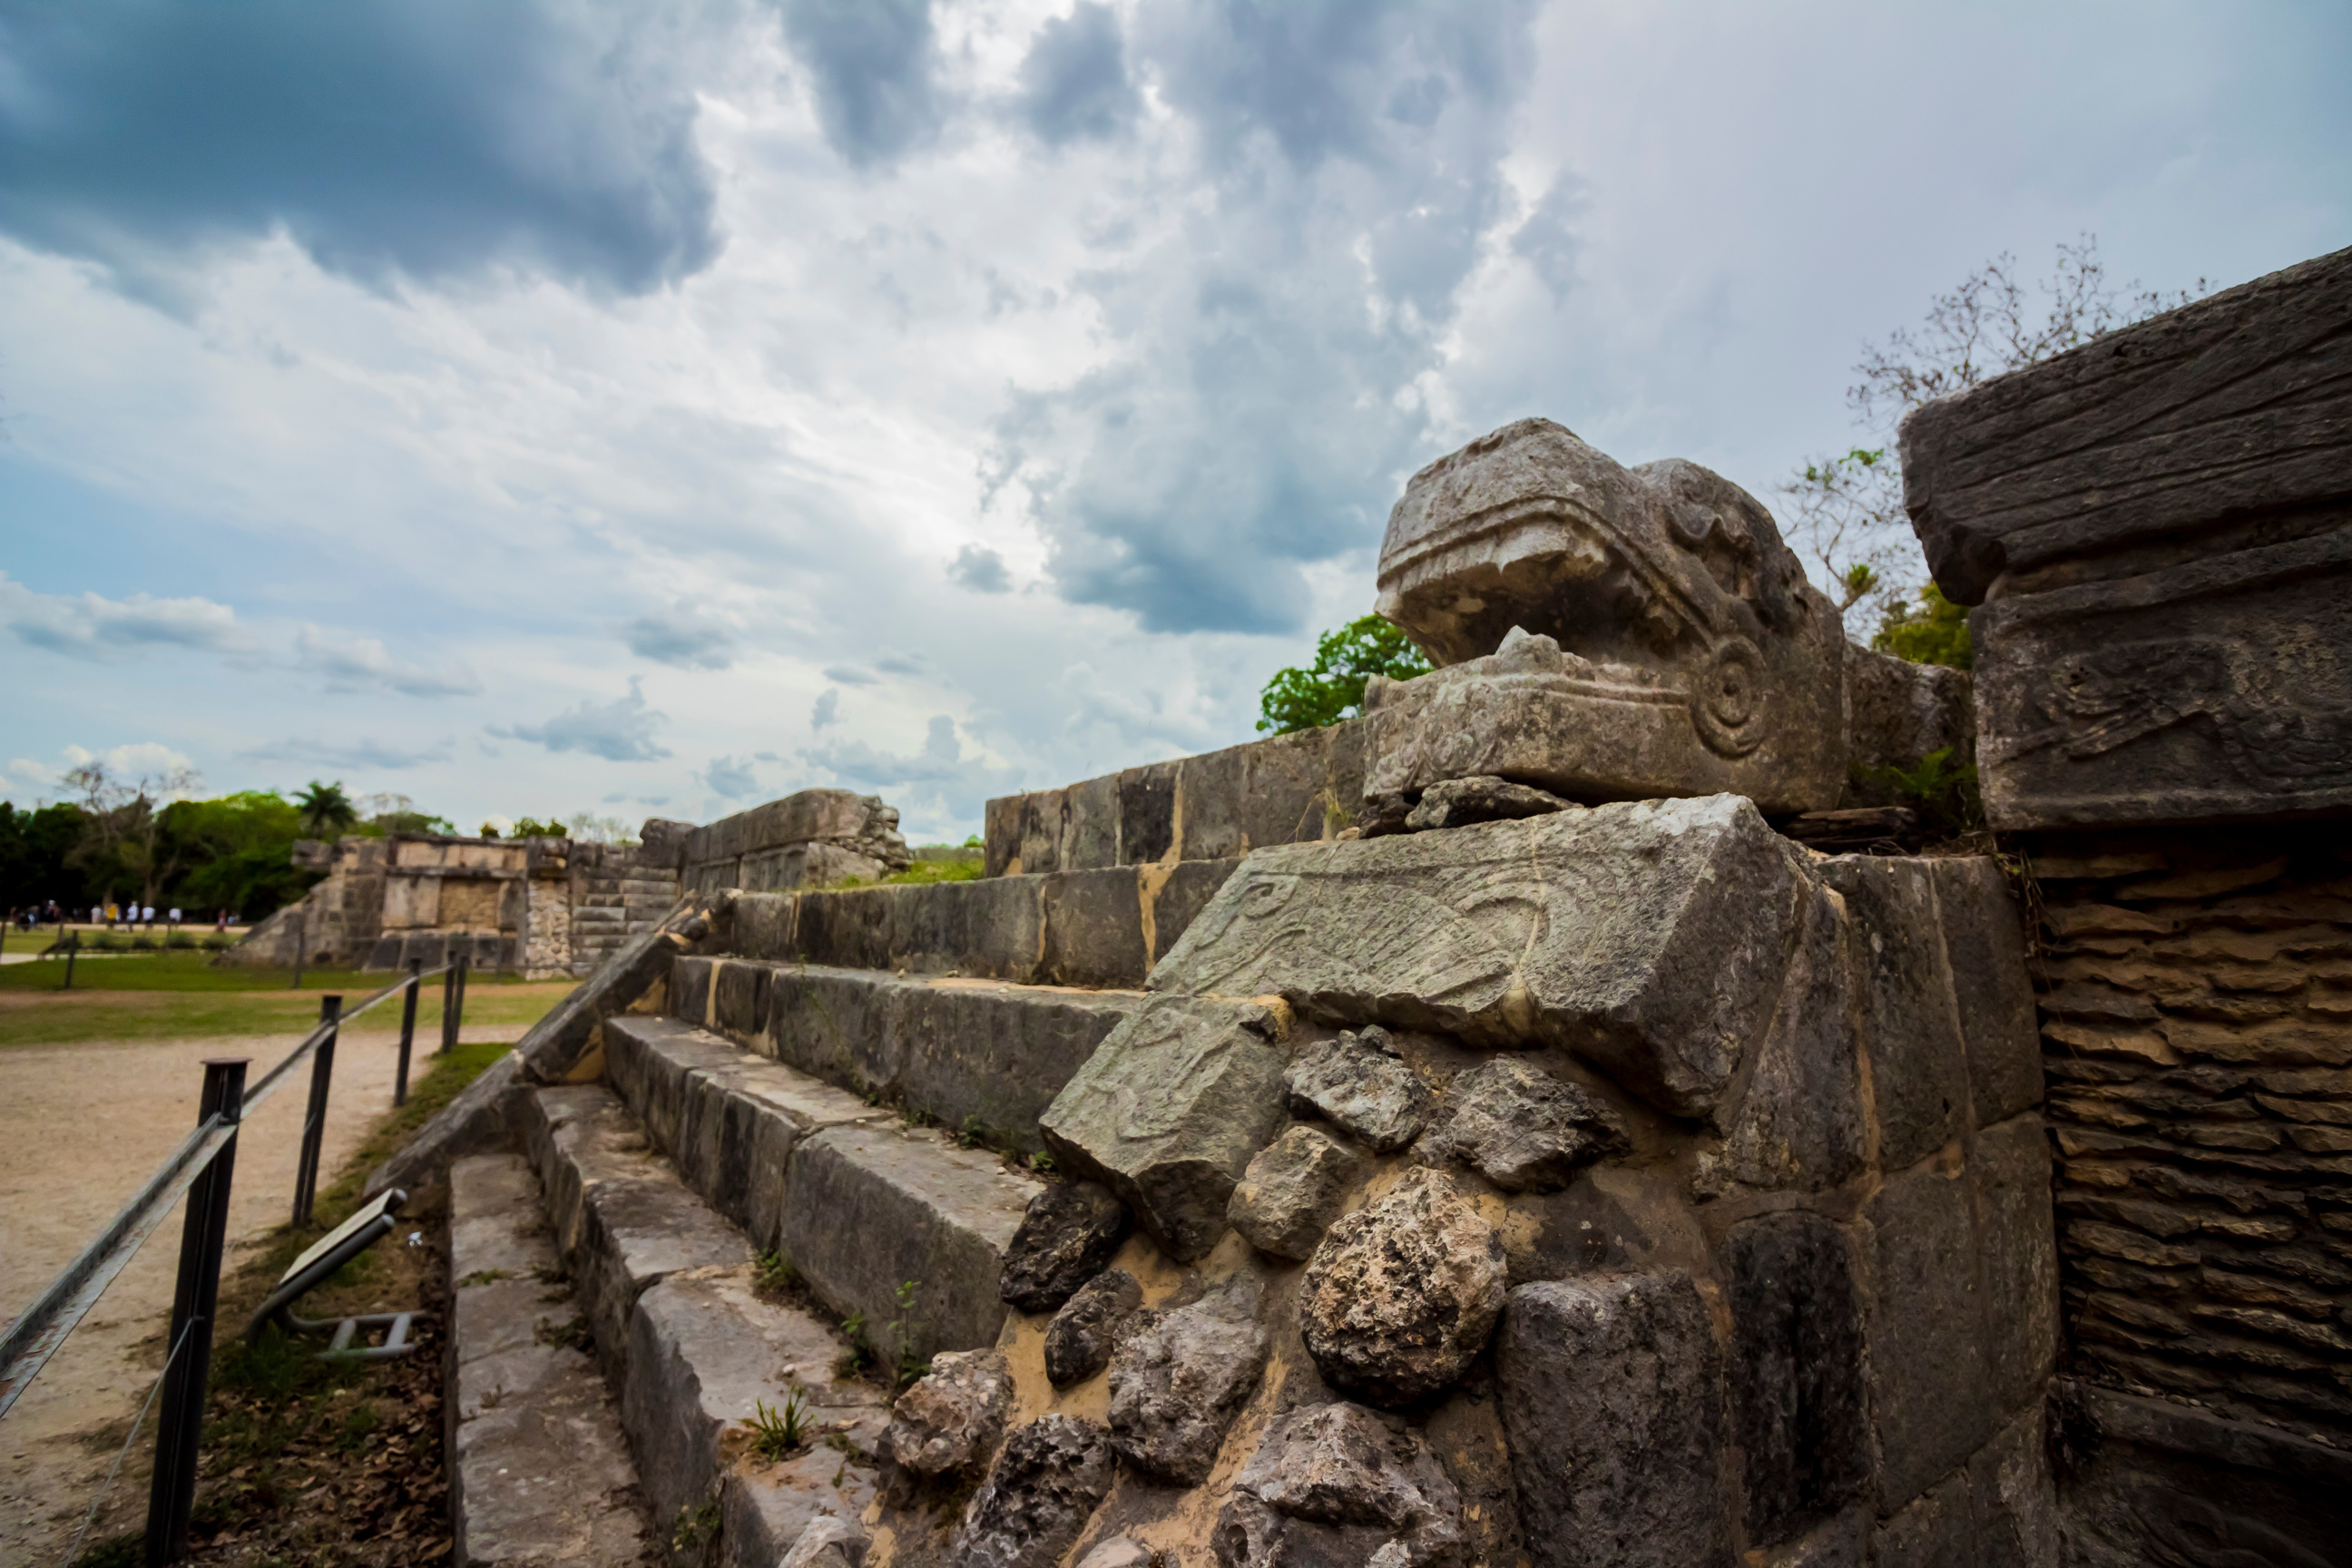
x: 465, y: 973
x: 448, y: 1001
x: 302, y: 940
x: 204, y: 1235
x: 73, y: 946
x: 408, y: 1030
x: 314, y: 1121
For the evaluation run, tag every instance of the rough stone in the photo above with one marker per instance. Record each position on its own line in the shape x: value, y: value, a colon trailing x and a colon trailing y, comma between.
x: 1609, y: 633
x: 1984, y: 942
x: 1798, y: 1402
x: 1931, y: 1403
x: 1169, y: 1110
x: 1342, y: 1464
x: 1080, y: 1338
x: 871, y: 1209
x: 827, y: 1542
x: 1521, y: 1128
x: 1292, y: 1190
x: 705, y: 1353
x: 2014, y: 1500
x: 1177, y: 1380
x: 1612, y: 1394
x: 1359, y: 1082
x: 2011, y: 1172
x: 1650, y: 937
x: 952, y: 1417
x: 1402, y: 1293
x: 1800, y: 1122
x: 1936, y: 1529
x: 1067, y: 1236
x: 1458, y: 803
x: 2154, y: 527
x: 1048, y: 1479
x: 1919, y: 1077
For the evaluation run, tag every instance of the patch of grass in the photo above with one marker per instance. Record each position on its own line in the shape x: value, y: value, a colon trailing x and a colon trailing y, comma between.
x: 860, y: 1353
x: 275, y: 1366
x: 779, y: 1434
x: 122, y: 1552
x: 774, y: 1276
x: 1041, y: 1163
x: 173, y: 970
x: 360, y: 1424
x: 698, y: 1525
x: 566, y: 1336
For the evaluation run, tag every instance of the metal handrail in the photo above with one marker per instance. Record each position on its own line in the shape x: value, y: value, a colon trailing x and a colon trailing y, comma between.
x: 37, y: 1334
x: 266, y: 1084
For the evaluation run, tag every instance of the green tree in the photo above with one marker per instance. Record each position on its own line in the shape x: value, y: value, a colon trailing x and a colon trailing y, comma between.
x: 325, y: 809
x: 35, y: 846
x: 1332, y: 688
x: 239, y: 852
x: 1936, y: 633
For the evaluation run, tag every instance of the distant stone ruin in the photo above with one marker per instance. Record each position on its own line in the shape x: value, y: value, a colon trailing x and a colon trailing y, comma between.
x: 553, y: 907
x: 1481, y: 1133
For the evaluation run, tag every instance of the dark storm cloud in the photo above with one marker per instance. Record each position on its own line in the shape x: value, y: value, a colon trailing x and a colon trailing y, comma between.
x: 1262, y: 407
x: 1073, y: 82
x: 870, y: 63
x: 419, y: 136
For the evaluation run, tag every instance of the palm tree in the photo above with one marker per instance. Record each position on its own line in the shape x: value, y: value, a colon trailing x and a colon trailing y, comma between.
x: 325, y: 809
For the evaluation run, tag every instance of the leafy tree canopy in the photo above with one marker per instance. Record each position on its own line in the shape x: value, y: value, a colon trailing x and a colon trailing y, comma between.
x: 325, y: 809
x: 1332, y: 688
x: 1936, y: 633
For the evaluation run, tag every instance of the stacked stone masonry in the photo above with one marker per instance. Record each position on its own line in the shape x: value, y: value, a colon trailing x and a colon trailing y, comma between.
x: 2197, y: 1028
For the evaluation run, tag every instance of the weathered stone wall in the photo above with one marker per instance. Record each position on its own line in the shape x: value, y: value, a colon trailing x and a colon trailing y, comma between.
x: 1286, y: 789
x: 2197, y: 1026
x: 809, y: 840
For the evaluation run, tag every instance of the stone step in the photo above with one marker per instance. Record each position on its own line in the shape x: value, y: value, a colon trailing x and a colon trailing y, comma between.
x: 539, y: 1471
x: 1095, y: 927
x: 980, y: 1056
x: 860, y: 1204
x: 691, y: 1348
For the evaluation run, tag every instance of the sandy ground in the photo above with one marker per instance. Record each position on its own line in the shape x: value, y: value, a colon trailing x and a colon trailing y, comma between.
x: 81, y: 1127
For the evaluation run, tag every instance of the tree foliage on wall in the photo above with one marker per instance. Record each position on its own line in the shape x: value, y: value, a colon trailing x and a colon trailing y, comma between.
x: 1332, y: 687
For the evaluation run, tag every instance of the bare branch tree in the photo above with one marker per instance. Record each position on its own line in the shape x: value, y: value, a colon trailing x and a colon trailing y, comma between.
x: 1846, y: 512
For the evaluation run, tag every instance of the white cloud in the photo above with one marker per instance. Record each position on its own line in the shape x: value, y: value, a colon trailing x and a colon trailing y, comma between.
x: 90, y: 626
x: 730, y: 778
x: 359, y: 664
x: 619, y: 731
x: 363, y: 753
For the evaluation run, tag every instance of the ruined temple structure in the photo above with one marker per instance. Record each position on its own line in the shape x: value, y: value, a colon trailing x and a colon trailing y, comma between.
x: 1487, y: 1132
x: 553, y: 907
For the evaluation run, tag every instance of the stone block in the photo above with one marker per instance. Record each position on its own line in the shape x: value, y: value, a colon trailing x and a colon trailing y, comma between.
x: 949, y: 1420
x: 622, y: 1219
x: 649, y: 1063
x: 990, y: 1056
x: 1801, y: 1123
x: 2153, y: 524
x: 1359, y: 1083
x: 1799, y: 1407
x: 1087, y: 1327
x: 1612, y: 1394
x: 1603, y: 633
x: 1047, y: 1481
x: 1898, y: 712
x: 2018, y: 1244
x: 704, y: 1354
x: 1001, y: 832
x: 1213, y: 804
x: 1173, y: 904
x: 1918, y: 1075
x: 1090, y: 838
x: 1094, y: 929
x: 760, y: 925
x: 2013, y: 1498
x: 1292, y: 1190
x: 799, y: 1514
x: 1984, y: 944
x: 1068, y: 1234
x: 1936, y: 1529
x: 1146, y: 814
x: 1932, y: 1405
x: 840, y: 1024
x: 1521, y: 1128
x: 1650, y: 937
x: 870, y: 1208
x: 1169, y: 1110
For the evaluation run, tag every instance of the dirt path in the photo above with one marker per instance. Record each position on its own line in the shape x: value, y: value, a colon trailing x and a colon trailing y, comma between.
x: 81, y: 1126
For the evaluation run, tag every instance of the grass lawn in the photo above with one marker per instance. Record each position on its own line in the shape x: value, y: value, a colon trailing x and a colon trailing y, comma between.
x: 181, y: 996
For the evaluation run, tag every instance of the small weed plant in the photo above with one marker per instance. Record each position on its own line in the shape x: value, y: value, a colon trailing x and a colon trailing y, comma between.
x: 774, y: 1276
x: 780, y: 1434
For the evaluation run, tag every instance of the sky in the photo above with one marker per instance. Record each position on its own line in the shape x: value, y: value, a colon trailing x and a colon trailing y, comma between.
x: 652, y: 409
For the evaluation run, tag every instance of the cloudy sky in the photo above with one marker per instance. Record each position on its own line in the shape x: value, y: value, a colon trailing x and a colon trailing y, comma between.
x: 638, y: 408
